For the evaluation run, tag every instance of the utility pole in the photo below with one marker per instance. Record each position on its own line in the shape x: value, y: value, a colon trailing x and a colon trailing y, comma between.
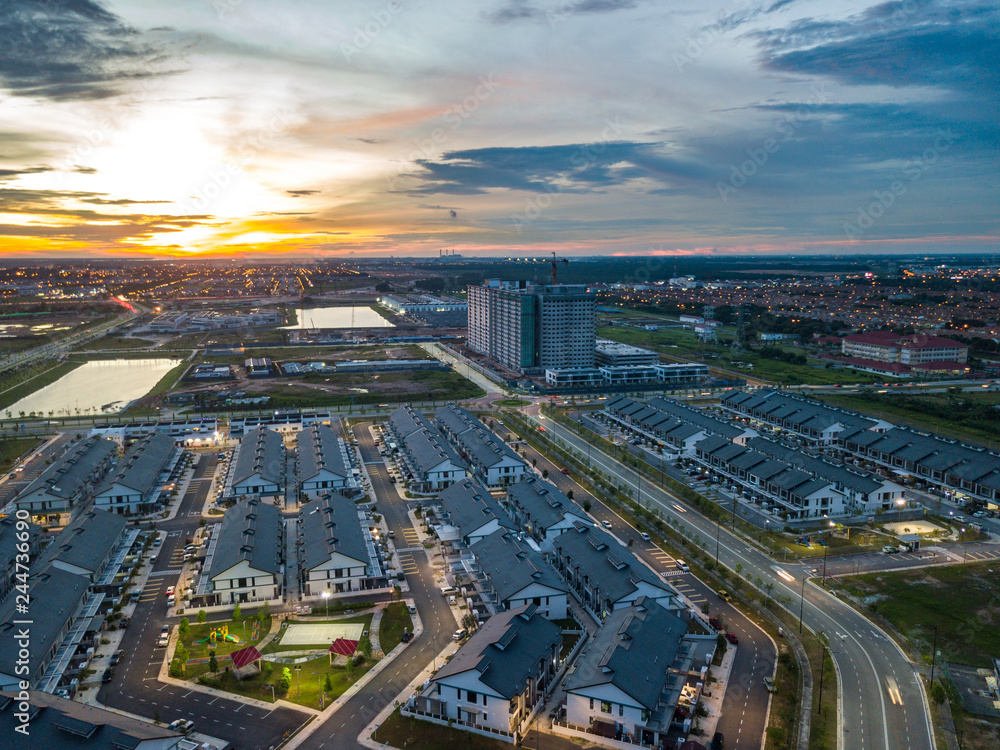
x: 934, y: 655
x: 802, y: 601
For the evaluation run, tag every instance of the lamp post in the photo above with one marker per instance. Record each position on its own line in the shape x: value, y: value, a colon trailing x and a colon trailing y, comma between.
x: 899, y: 509
x: 965, y: 547
x: 326, y: 598
x: 298, y: 685
x: 826, y: 551
x: 273, y: 699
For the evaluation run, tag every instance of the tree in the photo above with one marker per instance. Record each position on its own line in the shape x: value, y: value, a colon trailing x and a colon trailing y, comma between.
x: 586, y: 506
x: 184, y: 627
x: 328, y: 685
x: 545, y: 473
x: 286, y: 679
x: 365, y: 647
x: 202, y: 616
x: 265, y: 611
x: 236, y: 613
x: 534, y: 462
x: 569, y: 494
x: 213, y: 663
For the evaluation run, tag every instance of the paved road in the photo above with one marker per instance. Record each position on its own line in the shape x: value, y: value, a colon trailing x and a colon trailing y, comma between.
x: 343, y: 728
x: 882, y: 702
x: 746, y: 701
x: 136, y: 689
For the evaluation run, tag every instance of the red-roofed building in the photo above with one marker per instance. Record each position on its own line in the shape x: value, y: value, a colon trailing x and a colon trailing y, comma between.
x: 885, y: 346
x: 245, y: 657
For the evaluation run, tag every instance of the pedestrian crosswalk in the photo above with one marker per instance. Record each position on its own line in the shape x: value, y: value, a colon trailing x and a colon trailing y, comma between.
x: 411, y: 536
x: 407, y: 563
x: 661, y: 557
x: 151, y: 590
x: 689, y: 591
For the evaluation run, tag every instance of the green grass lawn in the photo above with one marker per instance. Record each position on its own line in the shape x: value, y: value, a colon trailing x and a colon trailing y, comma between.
x: 200, y: 632
x: 413, y: 734
x: 911, y: 410
x: 395, y: 621
x: 307, y: 682
x: 961, y: 601
x: 12, y: 448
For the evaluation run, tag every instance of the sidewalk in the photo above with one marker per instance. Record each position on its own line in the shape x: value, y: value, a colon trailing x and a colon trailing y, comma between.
x: 714, y: 693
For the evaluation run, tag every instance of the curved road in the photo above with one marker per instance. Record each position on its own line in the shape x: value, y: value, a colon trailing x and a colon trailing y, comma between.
x: 882, y: 703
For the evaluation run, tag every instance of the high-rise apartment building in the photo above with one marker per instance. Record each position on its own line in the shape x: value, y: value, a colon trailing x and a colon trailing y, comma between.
x: 528, y: 327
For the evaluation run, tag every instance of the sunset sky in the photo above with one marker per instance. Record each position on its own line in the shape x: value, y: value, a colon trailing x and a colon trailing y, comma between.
x: 143, y: 127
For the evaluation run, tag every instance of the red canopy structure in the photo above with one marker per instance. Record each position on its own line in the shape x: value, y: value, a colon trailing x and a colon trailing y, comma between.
x: 343, y: 647
x: 244, y: 657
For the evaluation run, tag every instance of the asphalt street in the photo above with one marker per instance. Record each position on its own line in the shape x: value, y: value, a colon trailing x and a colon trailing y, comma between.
x: 882, y: 702
x: 745, y: 705
x: 136, y: 688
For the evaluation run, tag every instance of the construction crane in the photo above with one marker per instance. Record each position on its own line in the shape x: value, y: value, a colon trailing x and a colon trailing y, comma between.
x: 556, y: 261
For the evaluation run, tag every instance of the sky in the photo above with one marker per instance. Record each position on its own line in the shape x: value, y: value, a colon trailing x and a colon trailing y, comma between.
x: 498, y: 127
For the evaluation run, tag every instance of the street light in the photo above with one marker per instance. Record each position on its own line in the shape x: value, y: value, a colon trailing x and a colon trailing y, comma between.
x: 326, y: 598
x: 899, y: 509
x: 298, y: 671
x: 802, y: 601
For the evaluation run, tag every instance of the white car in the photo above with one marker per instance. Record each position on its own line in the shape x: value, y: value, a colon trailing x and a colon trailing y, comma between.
x: 645, y: 536
x: 606, y: 524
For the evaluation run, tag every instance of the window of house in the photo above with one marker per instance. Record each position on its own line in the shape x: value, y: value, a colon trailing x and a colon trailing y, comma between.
x: 605, y: 707
x: 471, y: 696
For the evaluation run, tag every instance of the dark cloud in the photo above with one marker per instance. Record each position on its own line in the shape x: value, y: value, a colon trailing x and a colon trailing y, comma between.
x: 301, y: 193
x: 453, y: 213
x: 68, y: 50
x: 7, y: 174
x: 579, y: 168
x: 895, y: 44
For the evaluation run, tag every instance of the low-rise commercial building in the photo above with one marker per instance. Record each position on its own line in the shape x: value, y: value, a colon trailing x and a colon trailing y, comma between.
x: 615, y: 353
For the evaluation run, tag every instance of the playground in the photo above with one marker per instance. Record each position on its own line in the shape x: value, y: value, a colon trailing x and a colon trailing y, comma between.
x: 220, y: 639
x: 305, y: 634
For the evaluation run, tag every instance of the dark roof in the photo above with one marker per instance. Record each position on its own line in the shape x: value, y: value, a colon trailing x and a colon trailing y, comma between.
x: 632, y: 650
x: 250, y: 530
x: 87, y: 540
x: 141, y: 467
x: 320, y: 448
x: 607, y: 563
x: 506, y: 651
x: 470, y: 507
x: 512, y: 566
x: 68, y: 725
x: 66, y: 476
x: 260, y: 453
x: 331, y: 524
x: 542, y: 502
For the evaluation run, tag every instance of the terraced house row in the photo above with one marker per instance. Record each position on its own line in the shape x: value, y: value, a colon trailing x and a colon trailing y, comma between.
x: 909, y: 456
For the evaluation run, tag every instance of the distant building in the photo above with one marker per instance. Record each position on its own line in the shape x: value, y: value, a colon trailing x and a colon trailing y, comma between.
x: 885, y: 346
x: 245, y: 557
x: 527, y: 328
x: 259, y: 367
x: 615, y: 353
x: 779, y: 337
x: 420, y: 304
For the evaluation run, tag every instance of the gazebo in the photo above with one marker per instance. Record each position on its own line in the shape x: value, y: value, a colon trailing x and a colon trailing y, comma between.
x: 245, y: 661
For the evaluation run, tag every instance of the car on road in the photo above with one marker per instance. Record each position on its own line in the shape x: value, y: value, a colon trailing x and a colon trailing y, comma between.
x: 644, y: 536
x: 163, y: 641
x: 170, y: 591
x: 681, y: 565
x: 184, y: 726
x: 769, y: 684
x: 606, y: 524
x: 411, y: 609
x: 714, y: 622
x: 890, y: 550
x: 449, y: 591
x: 116, y: 657
x: 718, y: 742
x: 108, y: 676
x: 406, y: 637
x: 724, y: 595
x: 566, y: 472
x: 392, y: 534
x: 731, y: 637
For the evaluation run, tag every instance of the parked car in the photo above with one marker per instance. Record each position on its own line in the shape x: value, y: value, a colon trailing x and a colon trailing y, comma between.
x: 566, y: 472
x: 184, y: 726
x: 407, y: 637
x: 108, y: 676
x: 412, y: 610
x: 724, y: 595
x: 731, y: 637
x: 606, y: 524
x: 458, y: 635
x: 681, y: 565
x: 116, y: 657
x: 644, y: 536
x: 718, y: 742
x: 890, y: 550
x: 714, y: 622
x: 769, y: 684
x: 162, y: 642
